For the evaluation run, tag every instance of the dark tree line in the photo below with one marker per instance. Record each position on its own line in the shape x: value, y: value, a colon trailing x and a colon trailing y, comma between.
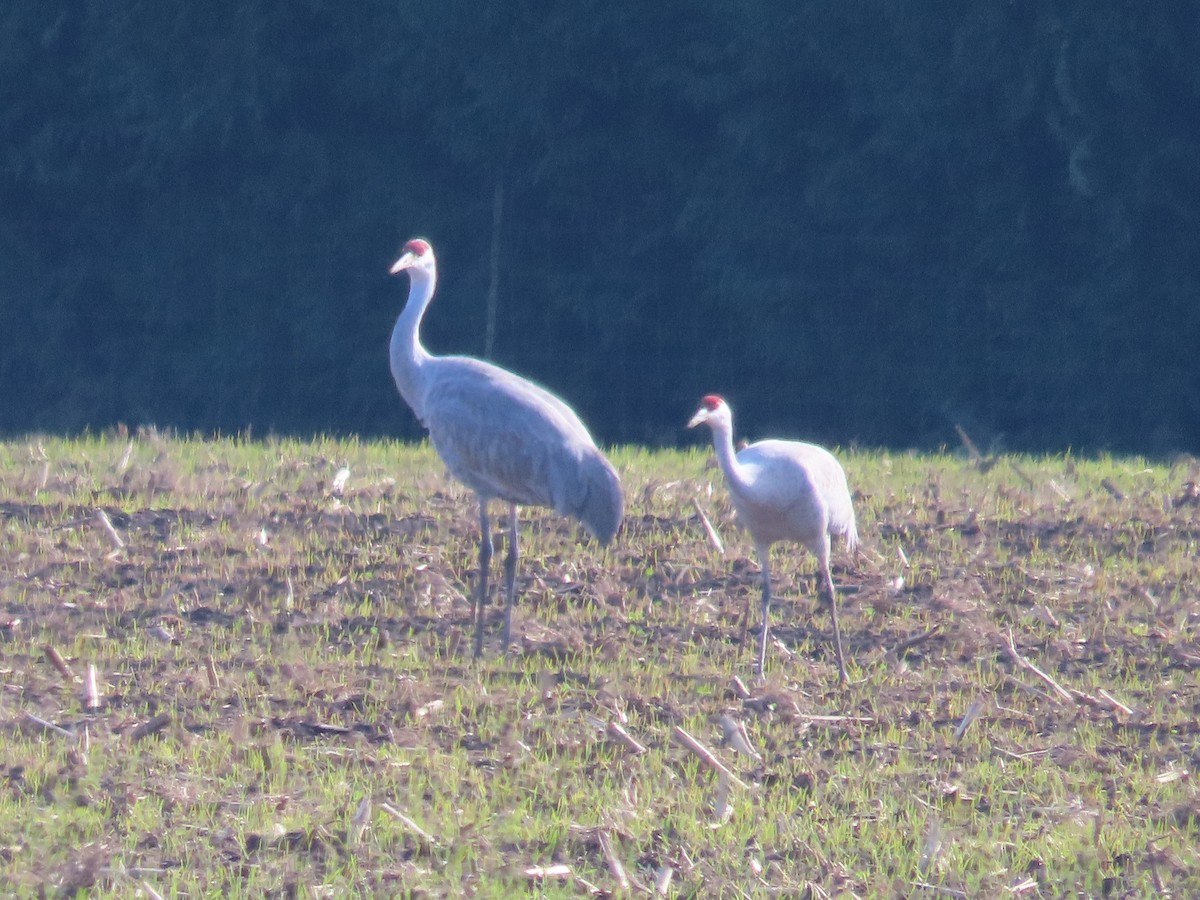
x: 860, y: 222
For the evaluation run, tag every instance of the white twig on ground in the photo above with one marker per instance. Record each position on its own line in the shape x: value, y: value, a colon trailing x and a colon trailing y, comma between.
x: 339, y: 481
x: 104, y: 520
x: 713, y: 537
x: 91, y: 689
x: 47, y: 726
x: 1060, y: 692
x: 722, y: 808
x: 662, y: 880
x: 542, y: 872
x: 410, y: 824
x: 834, y: 720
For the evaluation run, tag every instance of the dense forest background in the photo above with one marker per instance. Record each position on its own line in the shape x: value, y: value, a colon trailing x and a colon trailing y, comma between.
x: 861, y: 222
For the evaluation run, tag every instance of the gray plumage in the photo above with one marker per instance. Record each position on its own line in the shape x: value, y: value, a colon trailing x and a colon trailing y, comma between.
x: 503, y: 436
x: 784, y: 490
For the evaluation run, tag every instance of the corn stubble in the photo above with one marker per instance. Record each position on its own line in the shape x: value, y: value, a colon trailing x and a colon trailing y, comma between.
x: 233, y: 666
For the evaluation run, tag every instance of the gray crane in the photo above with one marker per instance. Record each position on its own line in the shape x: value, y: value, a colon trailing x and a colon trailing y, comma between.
x: 503, y: 436
x: 784, y: 490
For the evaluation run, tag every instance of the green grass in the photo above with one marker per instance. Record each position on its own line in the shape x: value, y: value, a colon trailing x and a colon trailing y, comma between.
x: 338, y: 625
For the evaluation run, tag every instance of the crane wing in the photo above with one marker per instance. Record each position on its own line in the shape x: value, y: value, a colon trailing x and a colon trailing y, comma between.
x: 801, y: 483
x: 509, y: 438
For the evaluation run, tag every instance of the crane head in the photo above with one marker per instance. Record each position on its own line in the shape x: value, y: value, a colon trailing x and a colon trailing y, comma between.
x: 713, y: 410
x: 416, y: 254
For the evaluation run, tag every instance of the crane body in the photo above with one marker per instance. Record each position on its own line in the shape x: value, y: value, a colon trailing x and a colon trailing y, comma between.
x: 499, y: 434
x: 784, y: 491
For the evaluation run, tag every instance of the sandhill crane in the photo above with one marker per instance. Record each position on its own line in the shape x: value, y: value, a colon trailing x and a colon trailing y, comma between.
x: 784, y: 490
x: 502, y: 436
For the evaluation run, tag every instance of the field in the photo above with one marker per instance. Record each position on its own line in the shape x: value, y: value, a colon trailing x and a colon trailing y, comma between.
x: 233, y: 667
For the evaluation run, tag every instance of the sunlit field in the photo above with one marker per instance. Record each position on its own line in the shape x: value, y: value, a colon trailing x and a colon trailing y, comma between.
x: 244, y: 668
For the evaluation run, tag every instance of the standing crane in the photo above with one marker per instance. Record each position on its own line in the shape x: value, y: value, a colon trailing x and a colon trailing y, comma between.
x: 784, y: 490
x: 503, y: 436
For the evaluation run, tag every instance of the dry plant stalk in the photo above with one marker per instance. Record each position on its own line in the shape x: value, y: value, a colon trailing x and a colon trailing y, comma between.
x: 610, y: 857
x: 910, y: 642
x: 1115, y: 702
x: 558, y: 870
x: 621, y: 736
x: 123, y: 464
x: 210, y: 669
x: 834, y: 720
x: 706, y: 756
x: 929, y: 850
x: 58, y: 662
x: 1062, y: 495
x: 972, y: 450
x: 739, y: 688
x: 91, y: 689
x: 1029, y: 482
x: 358, y: 821
x: 151, y: 726
x: 428, y: 709
x: 722, y: 808
x: 409, y: 824
x: 736, y: 736
x: 970, y: 716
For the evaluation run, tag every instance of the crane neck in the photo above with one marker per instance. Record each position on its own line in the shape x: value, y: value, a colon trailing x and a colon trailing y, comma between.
x: 726, y: 457
x: 407, y: 355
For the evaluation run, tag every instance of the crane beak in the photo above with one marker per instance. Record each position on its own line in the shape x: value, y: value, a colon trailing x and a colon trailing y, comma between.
x: 404, y: 262
x: 699, y: 418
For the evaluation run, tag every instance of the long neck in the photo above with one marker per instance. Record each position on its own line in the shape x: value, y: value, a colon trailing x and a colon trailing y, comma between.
x: 407, y: 355
x: 722, y: 433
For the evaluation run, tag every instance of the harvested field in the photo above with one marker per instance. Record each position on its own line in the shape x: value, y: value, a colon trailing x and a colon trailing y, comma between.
x: 243, y: 668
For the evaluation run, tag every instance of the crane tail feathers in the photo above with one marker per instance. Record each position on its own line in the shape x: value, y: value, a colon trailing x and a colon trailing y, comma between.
x: 851, y: 537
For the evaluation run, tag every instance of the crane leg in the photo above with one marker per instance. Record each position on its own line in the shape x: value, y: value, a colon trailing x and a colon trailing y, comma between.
x: 760, y: 663
x: 510, y: 576
x: 745, y: 623
x: 485, y: 562
x: 765, y: 561
x: 825, y: 586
